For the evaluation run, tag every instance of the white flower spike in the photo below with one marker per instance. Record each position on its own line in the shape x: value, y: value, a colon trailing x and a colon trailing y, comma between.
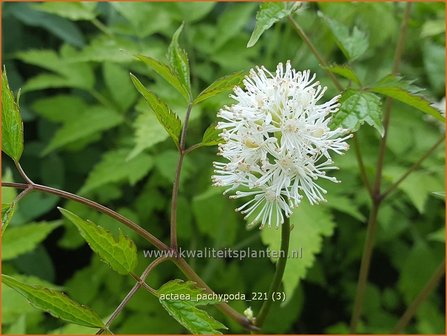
x: 277, y: 143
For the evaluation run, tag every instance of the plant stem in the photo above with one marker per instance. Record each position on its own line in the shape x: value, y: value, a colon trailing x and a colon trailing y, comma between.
x: 376, y: 193
x: 180, y: 262
x: 176, y: 185
x: 361, y: 165
x: 223, y: 307
x: 22, y: 173
x: 315, y: 51
x: 98, y: 24
x: 423, y: 294
x: 364, y: 266
x: 413, y: 167
x: 99, y: 207
x: 132, y: 292
x: 277, y: 278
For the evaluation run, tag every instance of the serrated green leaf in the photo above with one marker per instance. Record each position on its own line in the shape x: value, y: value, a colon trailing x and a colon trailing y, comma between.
x: 269, y: 13
x: 184, y: 309
x: 166, y: 73
x: 310, y: 224
x: 211, y: 137
x: 357, y: 107
x: 114, y: 167
x: 120, y: 254
x: 223, y: 84
x: 90, y: 122
x: 71, y: 10
x: 393, y: 87
x: 345, y: 71
x: 178, y: 60
x: 8, y: 210
x: 24, y: 238
x: 352, y: 44
x: 56, y: 303
x: 12, y: 125
x: 165, y: 116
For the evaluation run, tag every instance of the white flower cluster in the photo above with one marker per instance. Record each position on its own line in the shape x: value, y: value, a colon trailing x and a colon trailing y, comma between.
x: 277, y: 142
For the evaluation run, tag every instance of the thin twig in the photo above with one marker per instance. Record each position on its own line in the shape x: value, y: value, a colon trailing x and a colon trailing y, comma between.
x: 376, y: 194
x: 22, y: 173
x: 315, y: 51
x: 423, y: 294
x: 176, y: 185
x: 413, y: 167
x: 180, y: 262
x: 277, y: 278
x: 132, y: 292
x: 99, y: 207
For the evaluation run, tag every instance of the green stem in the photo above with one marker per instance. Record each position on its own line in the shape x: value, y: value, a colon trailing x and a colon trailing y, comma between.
x: 277, y: 278
x: 413, y: 167
x: 98, y: 24
x: 364, y: 266
x: 176, y: 185
x: 423, y: 294
x: 361, y: 165
x: 376, y: 193
x: 315, y: 51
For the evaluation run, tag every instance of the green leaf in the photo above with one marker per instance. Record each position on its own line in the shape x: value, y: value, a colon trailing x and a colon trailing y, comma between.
x: 215, y: 217
x: 60, y: 108
x: 115, y: 167
x: 352, y: 44
x: 179, y: 62
x: 12, y: 125
x: 165, y: 116
x: 8, y: 210
x: 310, y: 224
x: 269, y: 13
x: 438, y: 235
x: 65, y: 72
x: 148, y: 132
x: 24, y: 238
x: 344, y: 71
x: 211, y: 137
x: 119, y: 85
x: 120, y: 254
x: 90, y: 122
x: 356, y: 108
x: 223, y: 84
x: 54, y: 302
x: 439, y: 194
x: 71, y: 10
x: 166, y: 73
x: 396, y: 88
x: 185, y: 310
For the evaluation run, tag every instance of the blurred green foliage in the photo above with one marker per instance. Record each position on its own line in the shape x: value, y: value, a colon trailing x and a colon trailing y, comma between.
x: 88, y: 131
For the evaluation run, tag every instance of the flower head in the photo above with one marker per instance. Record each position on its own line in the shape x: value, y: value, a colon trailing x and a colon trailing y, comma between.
x: 277, y: 143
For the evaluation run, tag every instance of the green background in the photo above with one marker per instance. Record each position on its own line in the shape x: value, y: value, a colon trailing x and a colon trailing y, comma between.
x: 87, y: 131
